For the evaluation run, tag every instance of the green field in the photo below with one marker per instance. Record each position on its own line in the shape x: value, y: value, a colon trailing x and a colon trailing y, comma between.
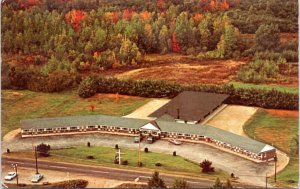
x: 294, y: 90
x: 18, y: 105
x: 279, y: 128
x: 105, y: 156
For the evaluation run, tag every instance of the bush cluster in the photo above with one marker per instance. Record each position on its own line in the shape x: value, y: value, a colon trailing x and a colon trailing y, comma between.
x: 56, y: 81
x: 158, y: 89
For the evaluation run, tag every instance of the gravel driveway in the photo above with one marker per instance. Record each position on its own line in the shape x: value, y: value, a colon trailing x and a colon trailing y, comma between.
x: 248, y: 171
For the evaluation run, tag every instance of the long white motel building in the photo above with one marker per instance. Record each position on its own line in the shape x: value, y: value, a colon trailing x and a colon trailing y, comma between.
x: 157, y: 128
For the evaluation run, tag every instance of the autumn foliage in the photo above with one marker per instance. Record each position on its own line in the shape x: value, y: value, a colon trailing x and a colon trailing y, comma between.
x: 28, y: 3
x: 112, y: 16
x: 213, y: 5
x: 175, y: 44
x: 75, y: 17
x: 145, y: 16
x: 127, y: 14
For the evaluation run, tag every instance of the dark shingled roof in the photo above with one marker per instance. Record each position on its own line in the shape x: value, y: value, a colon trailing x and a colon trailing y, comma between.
x: 193, y: 106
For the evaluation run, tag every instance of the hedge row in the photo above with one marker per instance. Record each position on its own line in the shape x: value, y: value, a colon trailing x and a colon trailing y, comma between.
x: 54, y: 82
x: 158, y: 89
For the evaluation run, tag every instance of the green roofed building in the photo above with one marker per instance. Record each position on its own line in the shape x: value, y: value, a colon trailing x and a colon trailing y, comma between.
x: 157, y: 129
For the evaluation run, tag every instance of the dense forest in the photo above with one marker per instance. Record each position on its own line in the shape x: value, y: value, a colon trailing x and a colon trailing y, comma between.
x: 61, y: 38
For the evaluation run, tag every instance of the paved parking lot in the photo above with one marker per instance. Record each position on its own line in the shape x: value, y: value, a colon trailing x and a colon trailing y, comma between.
x: 248, y: 171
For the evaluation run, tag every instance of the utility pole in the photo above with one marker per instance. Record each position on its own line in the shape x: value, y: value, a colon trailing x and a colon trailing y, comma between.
x: 16, y: 168
x: 266, y: 181
x: 119, y: 156
x: 36, y: 163
x: 275, y: 160
x: 69, y: 180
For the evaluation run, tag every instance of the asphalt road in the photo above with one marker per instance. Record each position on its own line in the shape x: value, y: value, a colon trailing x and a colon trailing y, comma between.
x: 106, y: 172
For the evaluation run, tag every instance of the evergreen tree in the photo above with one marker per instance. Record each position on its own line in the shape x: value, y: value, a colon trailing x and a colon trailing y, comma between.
x: 156, y: 182
x: 180, y: 183
x: 163, y: 40
x: 267, y: 37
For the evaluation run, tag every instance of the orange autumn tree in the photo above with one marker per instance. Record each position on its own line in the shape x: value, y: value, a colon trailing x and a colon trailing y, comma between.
x: 112, y: 16
x: 127, y: 14
x: 224, y: 6
x: 197, y: 18
x: 75, y: 17
x: 28, y: 3
x: 175, y: 44
x: 145, y: 16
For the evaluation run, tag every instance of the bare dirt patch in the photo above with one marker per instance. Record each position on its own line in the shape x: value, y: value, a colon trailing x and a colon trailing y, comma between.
x: 283, y: 113
x: 232, y: 118
x: 180, y: 69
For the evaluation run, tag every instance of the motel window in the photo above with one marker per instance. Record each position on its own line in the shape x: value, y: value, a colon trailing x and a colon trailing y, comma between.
x: 125, y: 129
x: 104, y: 126
x: 73, y: 128
x: 91, y: 126
x: 180, y: 134
x: 25, y: 130
x: 117, y: 127
x: 63, y: 128
x: 40, y: 129
x: 187, y: 135
x: 49, y: 129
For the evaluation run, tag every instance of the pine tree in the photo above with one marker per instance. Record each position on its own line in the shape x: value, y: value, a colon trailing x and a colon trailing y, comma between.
x: 156, y: 182
x: 163, y: 40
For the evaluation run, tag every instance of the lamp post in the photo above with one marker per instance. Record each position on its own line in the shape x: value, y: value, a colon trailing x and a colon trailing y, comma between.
x: 139, y: 161
x: 15, y: 166
x: 36, y: 162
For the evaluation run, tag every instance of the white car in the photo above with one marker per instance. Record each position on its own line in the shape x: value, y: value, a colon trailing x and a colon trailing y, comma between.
x: 37, y: 177
x: 10, y: 176
x: 174, y: 141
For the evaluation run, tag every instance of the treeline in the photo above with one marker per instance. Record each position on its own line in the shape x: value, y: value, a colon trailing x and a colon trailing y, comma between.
x: 85, y: 38
x: 34, y: 80
x: 248, y: 15
x: 249, y: 97
x: 82, y: 40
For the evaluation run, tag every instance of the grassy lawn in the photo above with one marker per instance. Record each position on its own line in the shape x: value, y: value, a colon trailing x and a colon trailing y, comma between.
x: 265, y: 87
x: 105, y: 156
x: 278, y: 127
x: 18, y: 105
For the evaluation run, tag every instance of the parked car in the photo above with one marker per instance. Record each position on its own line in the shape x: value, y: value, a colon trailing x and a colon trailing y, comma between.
x: 10, y: 176
x: 174, y: 141
x: 137, y: 139
x: 150, y: 140
x: 37, y: 177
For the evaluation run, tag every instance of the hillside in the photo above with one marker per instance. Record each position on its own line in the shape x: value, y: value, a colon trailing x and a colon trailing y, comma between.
x: 55, y: 39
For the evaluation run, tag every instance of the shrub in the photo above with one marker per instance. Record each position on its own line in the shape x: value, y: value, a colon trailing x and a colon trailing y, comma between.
x: 158, y: 89
x: 43, y: 150
x: 90, y: 157
x: 71, y: 184
x: 146, y: 150
x: 206, y: 166
x: 174, y: 153
x: 88, y: 144
x: 125, y: 162
x: 158, y: 164
x: 87, y: 88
